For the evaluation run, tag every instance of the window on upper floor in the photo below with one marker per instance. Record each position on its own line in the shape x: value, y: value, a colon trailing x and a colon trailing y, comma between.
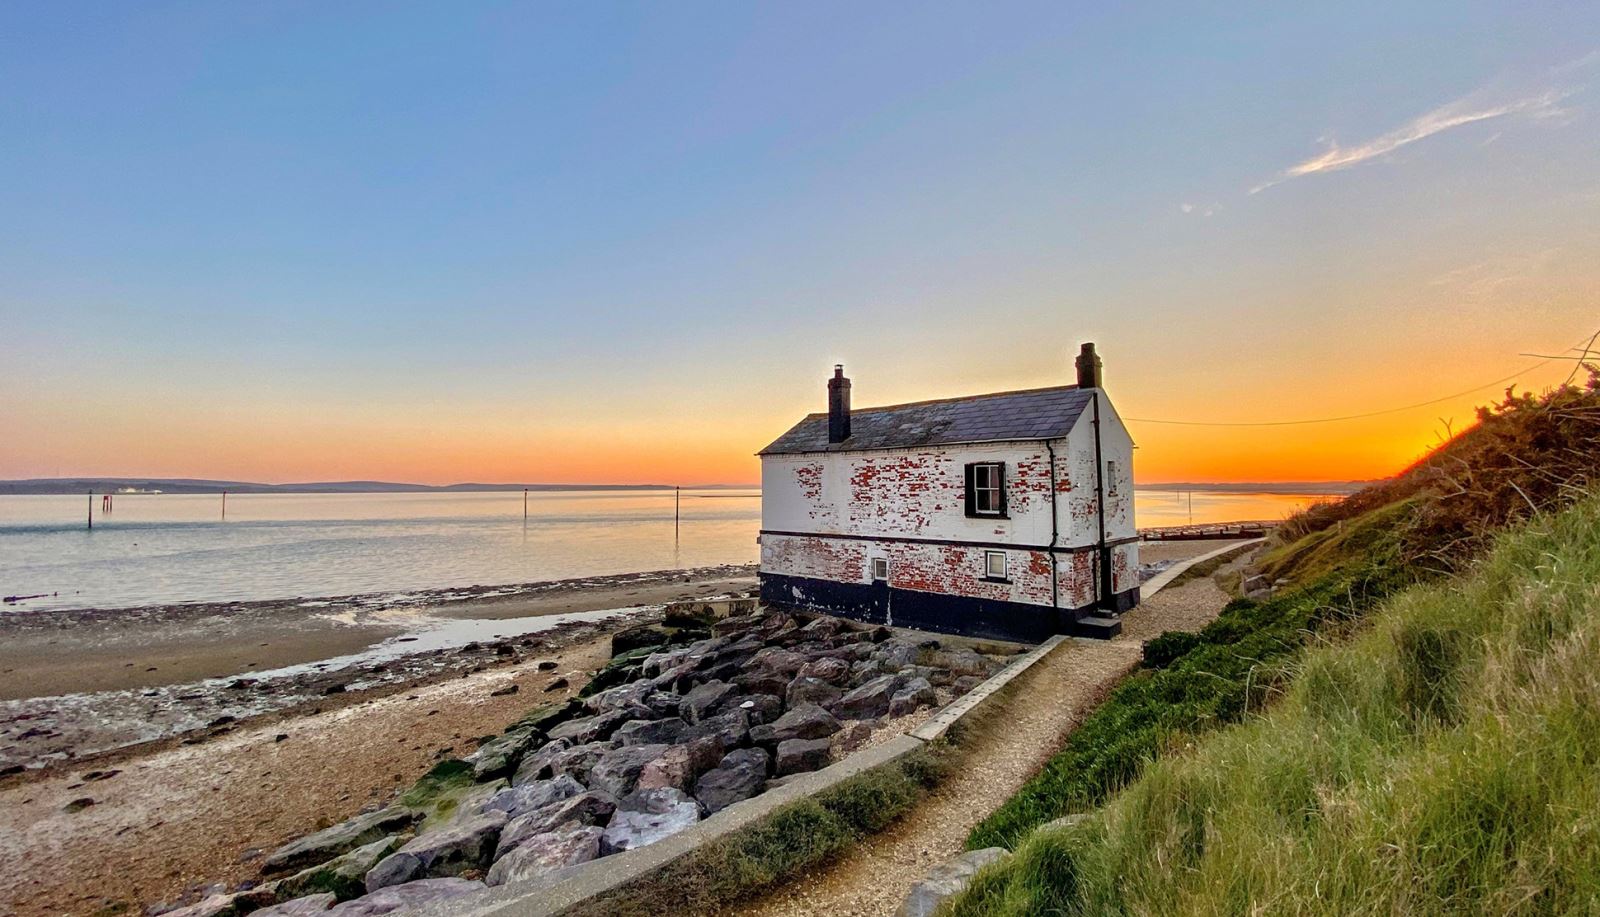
x: 1111, y: 477
x: 880, y: 569
x: 986, y: 489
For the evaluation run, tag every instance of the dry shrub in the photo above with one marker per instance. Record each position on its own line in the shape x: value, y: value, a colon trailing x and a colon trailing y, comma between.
x: 1526, y: 453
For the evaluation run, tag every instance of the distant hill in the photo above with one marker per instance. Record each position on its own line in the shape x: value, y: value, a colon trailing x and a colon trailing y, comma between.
x: 202, y: 486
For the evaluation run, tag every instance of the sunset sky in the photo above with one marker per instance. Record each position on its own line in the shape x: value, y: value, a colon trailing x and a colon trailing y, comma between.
x: 600, y: 242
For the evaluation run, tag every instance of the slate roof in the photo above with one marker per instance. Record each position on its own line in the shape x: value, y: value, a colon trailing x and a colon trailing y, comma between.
x: 1041, y: 413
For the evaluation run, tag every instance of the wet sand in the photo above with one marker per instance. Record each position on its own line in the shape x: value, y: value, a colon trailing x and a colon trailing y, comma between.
x: 45, y: 654
x: 171, y: 818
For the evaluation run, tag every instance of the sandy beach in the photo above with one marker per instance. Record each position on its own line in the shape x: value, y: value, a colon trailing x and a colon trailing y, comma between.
x: 76, y: 686
x: 48, y: 653
x: 154, y: 758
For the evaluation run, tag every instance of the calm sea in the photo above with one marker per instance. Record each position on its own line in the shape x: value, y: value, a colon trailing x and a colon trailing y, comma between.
x: 157, y: 548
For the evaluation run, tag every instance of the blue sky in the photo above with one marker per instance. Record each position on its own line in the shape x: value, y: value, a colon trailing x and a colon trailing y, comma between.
x: 444, y: 241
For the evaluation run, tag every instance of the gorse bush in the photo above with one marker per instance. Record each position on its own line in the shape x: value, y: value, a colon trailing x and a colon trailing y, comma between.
x: 1444, y: 760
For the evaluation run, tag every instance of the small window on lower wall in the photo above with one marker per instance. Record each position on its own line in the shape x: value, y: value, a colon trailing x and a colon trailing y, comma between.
x: 880, y: 569
x: 994, y: 565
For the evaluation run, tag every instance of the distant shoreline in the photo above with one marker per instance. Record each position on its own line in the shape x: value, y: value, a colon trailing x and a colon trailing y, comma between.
x: 1296, y: 488
x: 168, y: 486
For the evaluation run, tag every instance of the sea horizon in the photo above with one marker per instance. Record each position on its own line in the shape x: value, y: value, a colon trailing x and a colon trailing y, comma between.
x: 154, y: 549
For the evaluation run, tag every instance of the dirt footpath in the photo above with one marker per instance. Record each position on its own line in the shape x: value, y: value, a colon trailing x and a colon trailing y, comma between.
x: 1049, y: 701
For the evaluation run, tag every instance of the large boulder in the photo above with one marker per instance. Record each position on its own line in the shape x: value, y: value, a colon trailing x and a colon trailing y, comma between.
x: 663, y: 661
x: 663, y: 703
x: 808, y: 689
x: 516, y: 800
x: 596, y: 728
x: 300, y: 907
x: 826, y: 668
x: 797, y: 756
x: 869, y: 701
x: 624, y: 695
x: 947, y: 880
x: 343, y: 876
x: 407, y: 896
x: 650, y: 732
x: 498, y: 757
x: 679, y: 765
x: 763, y: 681
x: 730, y: 729
x: 759, y: 708
x: 341, y: 838
x: 590, y: 808
x: 777, y: 660
x: 740, y: 775
x: 617, y: 771
x: 913, y: 695
x: 536, y: 765
x: 449, y: 851
x: 964, y: 661
x: 895, y: 655
x: 821, y: 627
x: 807, y: 721
x: 545, y: 853
x: 210, y: 906
x: 579, y: 760
x: 648, y: 816
x: 703, y: 699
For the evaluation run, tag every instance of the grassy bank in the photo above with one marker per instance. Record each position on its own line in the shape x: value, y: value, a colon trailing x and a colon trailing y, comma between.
x: 1442, y: 761
x: 1190, y: 683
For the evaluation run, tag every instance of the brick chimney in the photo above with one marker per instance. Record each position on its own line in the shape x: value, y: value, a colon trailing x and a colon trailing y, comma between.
x: 838, y: 406
x: 1088, y: 367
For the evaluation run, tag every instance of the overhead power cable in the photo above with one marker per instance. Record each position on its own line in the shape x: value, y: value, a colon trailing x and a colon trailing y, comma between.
x: 1395, y: 410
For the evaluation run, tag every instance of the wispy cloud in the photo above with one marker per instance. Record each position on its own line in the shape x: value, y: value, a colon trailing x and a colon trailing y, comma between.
x: 1469, y: 109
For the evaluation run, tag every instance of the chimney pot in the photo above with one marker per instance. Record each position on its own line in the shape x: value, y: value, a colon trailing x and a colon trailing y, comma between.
x: 838, y: 406
x: 1089, y: 375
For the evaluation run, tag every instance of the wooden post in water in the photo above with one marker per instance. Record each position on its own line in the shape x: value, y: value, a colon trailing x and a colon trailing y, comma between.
x: 675, y: 500
x: 91, y: 509
x: 224, y: 506
x: 524, y: 506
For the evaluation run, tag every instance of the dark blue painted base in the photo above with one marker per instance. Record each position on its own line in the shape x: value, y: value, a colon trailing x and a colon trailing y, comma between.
x: 945, y: 614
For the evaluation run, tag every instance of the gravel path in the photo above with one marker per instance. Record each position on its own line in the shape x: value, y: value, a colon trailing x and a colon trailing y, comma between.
x: 874, y: 877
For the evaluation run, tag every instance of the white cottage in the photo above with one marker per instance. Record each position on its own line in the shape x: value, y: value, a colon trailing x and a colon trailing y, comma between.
x: 1007, y: 516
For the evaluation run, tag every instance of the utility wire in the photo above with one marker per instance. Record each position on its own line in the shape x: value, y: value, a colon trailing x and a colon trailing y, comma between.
x: 1409, y: 407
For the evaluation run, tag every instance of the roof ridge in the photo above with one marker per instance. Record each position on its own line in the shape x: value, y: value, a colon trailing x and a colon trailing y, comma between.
x: 918, y: 404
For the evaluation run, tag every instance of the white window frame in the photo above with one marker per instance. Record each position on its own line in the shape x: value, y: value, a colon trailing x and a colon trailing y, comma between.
x: 994, y: 489
x: 877, y: 564
x: 988, y: 565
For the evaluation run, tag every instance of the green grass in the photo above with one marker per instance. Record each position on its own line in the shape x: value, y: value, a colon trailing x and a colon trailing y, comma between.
x: 1444, y: 760
x: 1191, y: 683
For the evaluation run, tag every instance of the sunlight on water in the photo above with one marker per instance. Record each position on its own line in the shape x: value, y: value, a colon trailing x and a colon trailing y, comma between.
x: 155, y: 549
